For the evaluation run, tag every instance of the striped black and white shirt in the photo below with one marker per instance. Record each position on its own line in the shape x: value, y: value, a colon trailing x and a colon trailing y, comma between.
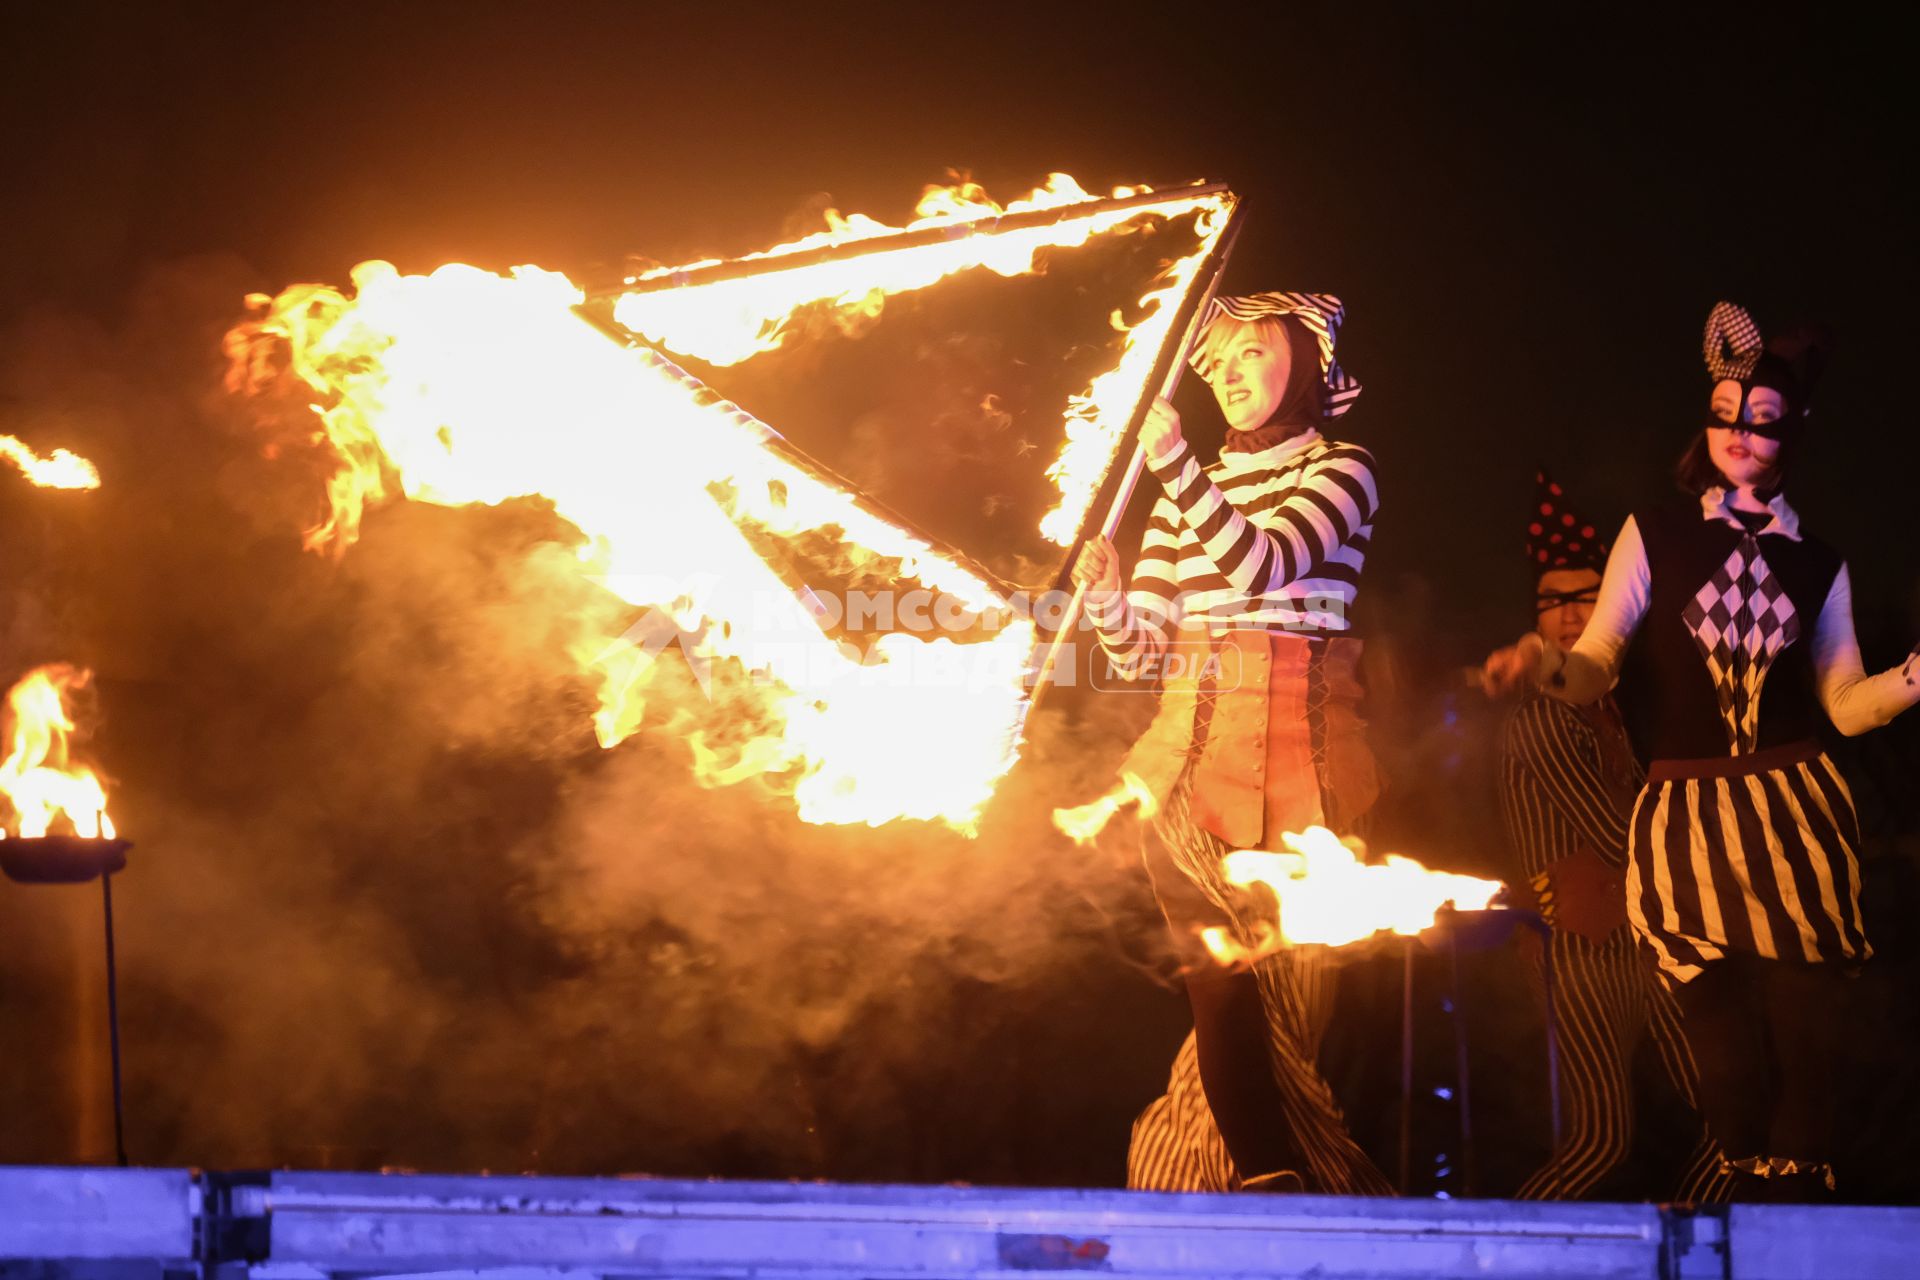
x: 1273, y: 540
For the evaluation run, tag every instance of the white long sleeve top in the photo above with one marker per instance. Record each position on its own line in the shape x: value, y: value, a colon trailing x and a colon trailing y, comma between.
x: 1855, y: 701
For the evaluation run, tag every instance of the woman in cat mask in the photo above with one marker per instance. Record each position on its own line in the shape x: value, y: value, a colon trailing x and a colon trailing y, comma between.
x: 1743, y: 883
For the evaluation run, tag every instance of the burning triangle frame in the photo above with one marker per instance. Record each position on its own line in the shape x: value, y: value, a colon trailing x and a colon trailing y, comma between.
x: 821, y: 270
x: 464, y: 387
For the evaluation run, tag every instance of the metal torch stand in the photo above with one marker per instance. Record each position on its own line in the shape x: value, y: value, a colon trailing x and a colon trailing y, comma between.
x: 1463, y: 1096
x: 73, y: 860
x: 113, y: 1023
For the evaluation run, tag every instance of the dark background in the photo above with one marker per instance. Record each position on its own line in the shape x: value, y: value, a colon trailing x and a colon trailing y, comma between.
x: 374, y: 925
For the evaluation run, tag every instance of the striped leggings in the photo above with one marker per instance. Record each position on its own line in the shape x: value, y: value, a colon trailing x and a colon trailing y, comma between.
x: 1606, y: 999
x: 1176, y: 1143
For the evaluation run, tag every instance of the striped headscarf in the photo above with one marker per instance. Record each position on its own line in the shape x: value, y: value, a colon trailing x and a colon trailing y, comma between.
x: 1321, y: 313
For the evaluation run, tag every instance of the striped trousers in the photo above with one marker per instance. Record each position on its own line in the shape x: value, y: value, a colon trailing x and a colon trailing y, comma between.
x: 1605, y: 999
x: 1176, y: 1146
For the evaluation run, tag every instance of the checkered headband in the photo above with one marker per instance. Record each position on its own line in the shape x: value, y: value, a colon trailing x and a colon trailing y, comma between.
x: 1321, y: 314
x: 1733, y: 344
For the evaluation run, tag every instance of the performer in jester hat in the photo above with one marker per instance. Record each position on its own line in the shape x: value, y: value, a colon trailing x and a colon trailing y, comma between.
x: 1240, y: 605
x: 1568, y: 780
x: 1742, y: 880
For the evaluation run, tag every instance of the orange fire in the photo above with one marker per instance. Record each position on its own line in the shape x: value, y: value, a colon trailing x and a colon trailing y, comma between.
x: 728, y: 321
x: 40, y: 784
x: 61, y: 469
x: 1323, y: 893
x: 731, y: 320
x: 1087, y: 821
x: 464, y: 387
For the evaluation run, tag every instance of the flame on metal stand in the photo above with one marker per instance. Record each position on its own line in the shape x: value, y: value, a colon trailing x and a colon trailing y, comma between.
x: 1323, y: 893
x: 40, y: 783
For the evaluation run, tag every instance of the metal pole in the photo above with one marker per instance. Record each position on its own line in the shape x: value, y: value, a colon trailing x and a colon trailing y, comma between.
x: 1553, y: 1029
x: 1406, y: 1065
x: 113, y: 1022
x: 1460, y: 1062
x: 992, y: 224
x: 1130, y: 479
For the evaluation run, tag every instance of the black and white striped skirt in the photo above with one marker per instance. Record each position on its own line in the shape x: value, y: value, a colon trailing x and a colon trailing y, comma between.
x: 1749, y: 853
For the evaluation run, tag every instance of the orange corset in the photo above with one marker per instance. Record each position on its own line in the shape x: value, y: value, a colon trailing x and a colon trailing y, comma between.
x: 1269, y: 723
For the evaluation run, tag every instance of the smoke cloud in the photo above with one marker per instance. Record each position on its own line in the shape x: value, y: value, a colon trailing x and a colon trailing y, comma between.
x: 391, y: 904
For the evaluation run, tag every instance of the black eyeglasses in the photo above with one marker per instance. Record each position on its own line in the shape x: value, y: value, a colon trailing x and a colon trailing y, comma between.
x: 1547, y: 601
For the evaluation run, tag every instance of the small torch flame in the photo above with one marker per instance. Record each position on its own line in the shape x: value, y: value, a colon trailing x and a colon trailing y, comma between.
x: 1085, y: 822
x: 1324, y: 894
x: 39, y: 782
x: 61, y: 469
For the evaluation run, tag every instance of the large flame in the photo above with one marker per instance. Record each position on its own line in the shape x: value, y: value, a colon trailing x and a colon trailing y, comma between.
x: 61, y: 469
x: 731, y: 320
x: 40, y: 783
x: 467, y: 387
x: 1323, y: 893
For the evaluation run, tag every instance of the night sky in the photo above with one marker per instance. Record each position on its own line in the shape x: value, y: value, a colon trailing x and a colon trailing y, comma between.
x: 1528, y: 214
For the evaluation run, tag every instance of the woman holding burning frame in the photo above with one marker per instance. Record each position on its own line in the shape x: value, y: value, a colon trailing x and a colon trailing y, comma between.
x: 1240, y: 605
x: 1743, y: 884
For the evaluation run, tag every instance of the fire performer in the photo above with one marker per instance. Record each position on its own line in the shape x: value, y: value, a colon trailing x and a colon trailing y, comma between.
x: 1240, y: 606
x: 1568, y: 779
x: 1742, y: 879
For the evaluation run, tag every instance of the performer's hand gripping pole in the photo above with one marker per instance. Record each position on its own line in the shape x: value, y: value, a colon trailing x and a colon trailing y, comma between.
x: 1199, y: 300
